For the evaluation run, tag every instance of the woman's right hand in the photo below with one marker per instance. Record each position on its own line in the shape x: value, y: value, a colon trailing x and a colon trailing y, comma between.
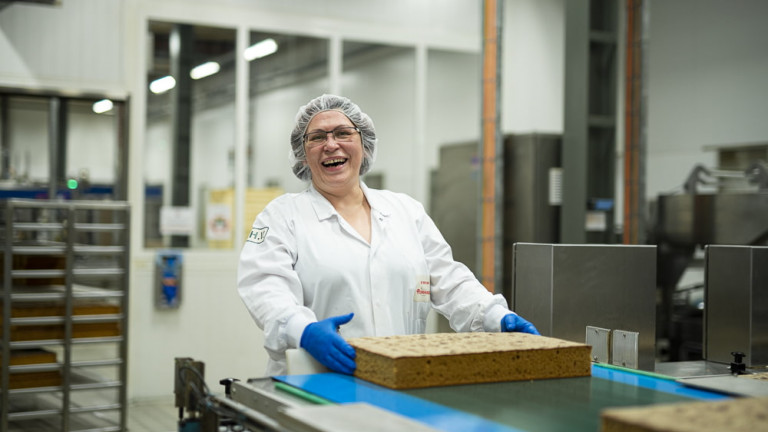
x: 322, y: 340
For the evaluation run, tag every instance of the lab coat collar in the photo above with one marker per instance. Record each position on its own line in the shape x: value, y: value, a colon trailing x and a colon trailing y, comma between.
x: 379, y: 207
x: 324, y: 209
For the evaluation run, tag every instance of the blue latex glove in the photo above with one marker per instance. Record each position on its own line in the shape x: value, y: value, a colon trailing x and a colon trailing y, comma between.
x: 323, y: 341
x: 515, y: 323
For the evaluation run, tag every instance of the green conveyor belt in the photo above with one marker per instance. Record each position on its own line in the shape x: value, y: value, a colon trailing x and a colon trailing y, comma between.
x: 571, y: 404
x: 547, y: 405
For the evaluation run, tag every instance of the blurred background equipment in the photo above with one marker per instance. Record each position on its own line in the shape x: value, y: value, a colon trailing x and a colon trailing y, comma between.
x: 715, y: 207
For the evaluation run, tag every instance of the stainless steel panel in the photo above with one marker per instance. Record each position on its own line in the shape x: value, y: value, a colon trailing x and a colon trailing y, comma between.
x: 736, y: 304
x: 532, y: 285
x: 563, y: 289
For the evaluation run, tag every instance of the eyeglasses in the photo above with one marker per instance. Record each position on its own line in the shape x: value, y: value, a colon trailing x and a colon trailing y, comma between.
x: 340, y: 134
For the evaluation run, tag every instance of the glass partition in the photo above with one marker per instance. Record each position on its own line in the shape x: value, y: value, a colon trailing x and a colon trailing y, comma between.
x: 381, y: 79
x: 280, y: 82
x: 52, y: 146
x: 25, y: 143
x: 190, y: 135
x: 285, y: 72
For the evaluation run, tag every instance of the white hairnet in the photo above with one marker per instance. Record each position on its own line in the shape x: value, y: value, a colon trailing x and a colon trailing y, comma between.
x: 328, y: 102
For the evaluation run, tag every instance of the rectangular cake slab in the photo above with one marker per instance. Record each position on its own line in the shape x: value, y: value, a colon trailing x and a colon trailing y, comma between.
x: 440, y: 359
x: 734, y: 415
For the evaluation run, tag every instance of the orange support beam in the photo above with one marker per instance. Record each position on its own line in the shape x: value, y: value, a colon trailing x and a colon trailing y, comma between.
x: 633, y: 112
x: 490, y: 123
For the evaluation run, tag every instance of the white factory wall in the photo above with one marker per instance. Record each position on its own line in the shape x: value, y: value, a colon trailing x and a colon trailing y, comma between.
x: 533, y: 59
x: 707, y: 85
x: 76, y: 46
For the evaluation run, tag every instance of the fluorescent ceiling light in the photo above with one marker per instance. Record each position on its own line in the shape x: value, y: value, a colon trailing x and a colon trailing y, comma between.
x: 260, y: 49
x: 204, y: 70
x: 162, y: 85
x: 102, y: 106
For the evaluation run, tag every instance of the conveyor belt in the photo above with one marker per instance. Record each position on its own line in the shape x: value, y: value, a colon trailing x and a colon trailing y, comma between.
x: 571, y: 404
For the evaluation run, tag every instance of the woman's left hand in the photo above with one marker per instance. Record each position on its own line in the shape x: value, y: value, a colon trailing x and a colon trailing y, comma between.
x: 516, y: 323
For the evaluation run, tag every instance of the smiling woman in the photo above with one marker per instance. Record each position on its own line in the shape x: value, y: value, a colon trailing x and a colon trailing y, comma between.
x: 391, y: 265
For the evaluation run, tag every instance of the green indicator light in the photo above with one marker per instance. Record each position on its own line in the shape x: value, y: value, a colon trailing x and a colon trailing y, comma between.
x: 72, y: 184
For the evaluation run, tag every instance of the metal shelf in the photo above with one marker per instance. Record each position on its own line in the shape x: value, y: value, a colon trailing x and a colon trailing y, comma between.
x: 34, y: 343
x: 101, y: 318
x: 36, y: 226
x: 53, y: 296
x: 98, y: 272
x: 91, y: 363
x: 96, y: 386
x: 62, y: 250
x: 95, y: 408
x: 103, y: 294
x: 37, y: 274
x: 56, y: 249
x: 40, y: 367
x: 95, y: 227
x: 46, y: 320
x: 39, y: 250
x: 95, y: 340
x: 33, y: 390
x: 31, y: 415
x: 107, y: 250
x: 74, y: 341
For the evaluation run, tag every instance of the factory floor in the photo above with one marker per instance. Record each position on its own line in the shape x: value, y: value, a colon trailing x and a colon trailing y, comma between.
x: 152, y: 415
x: 145, y: 415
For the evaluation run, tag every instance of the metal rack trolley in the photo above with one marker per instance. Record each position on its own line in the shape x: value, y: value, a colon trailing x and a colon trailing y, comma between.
x: 58, y: 256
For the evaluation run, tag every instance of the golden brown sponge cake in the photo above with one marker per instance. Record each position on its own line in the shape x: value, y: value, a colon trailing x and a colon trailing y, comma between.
x: 429, y: 360
x: 733, y: 415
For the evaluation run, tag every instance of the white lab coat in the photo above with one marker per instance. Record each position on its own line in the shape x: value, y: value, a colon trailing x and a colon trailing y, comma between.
x: 303, y: 262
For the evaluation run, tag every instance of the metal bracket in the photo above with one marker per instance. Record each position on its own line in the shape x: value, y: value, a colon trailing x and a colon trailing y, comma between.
x: 624, y: 348
x: 600, y: 340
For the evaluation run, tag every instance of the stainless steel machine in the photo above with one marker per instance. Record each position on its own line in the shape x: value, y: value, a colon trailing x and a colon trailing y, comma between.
x: 715, y: 207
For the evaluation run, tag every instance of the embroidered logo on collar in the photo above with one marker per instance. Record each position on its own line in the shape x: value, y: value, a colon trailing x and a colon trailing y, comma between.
x: 257, y: 235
